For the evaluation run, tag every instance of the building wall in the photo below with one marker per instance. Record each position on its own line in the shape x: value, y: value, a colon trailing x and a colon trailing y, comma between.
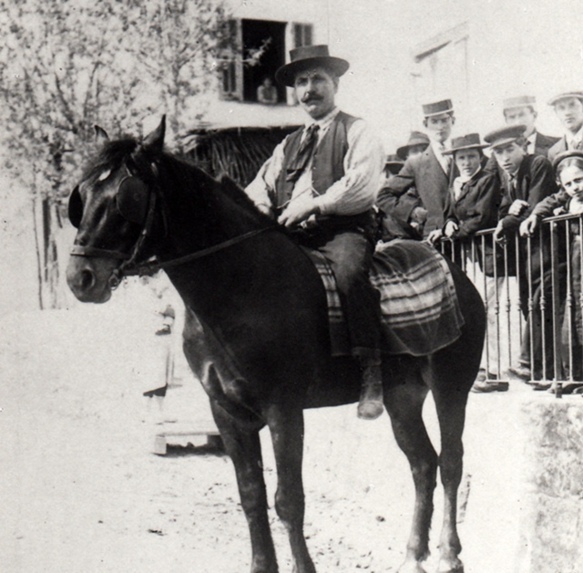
x: 513, y: 47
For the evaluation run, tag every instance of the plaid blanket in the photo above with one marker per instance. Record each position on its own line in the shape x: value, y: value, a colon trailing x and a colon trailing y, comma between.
x: 419, y: 306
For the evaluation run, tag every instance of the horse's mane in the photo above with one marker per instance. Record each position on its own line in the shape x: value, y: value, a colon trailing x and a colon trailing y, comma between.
x: 113, y: 154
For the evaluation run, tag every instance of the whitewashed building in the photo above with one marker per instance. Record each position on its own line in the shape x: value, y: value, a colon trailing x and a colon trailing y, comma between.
x: 405, y: 53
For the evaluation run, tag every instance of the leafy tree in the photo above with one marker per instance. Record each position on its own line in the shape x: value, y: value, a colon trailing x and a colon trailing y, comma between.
x: 66, y: 65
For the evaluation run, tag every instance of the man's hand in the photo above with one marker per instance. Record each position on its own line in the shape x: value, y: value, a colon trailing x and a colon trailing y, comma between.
x: 528, y: 226
x: 499, y: 235
x: 417, y: 219
x: 435, y: 236
x: 517, y: 208
x: 298, y: 210
x: 418, y: 215
x: 451, y: 228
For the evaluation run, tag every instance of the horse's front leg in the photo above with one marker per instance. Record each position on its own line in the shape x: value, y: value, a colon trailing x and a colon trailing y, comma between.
x: 286, y: 424
x: 244, y: 448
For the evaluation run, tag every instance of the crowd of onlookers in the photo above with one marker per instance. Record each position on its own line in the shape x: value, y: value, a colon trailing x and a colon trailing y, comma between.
x: 444, y: 190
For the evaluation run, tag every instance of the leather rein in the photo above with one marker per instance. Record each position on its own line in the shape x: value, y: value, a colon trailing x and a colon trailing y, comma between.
x: 130, y: 266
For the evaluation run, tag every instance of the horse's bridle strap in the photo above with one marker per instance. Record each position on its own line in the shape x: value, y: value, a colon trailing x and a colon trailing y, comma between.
x: 82, y: 251
x: 158, y: 265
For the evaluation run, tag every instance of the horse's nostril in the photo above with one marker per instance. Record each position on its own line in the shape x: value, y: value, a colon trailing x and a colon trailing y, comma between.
x: 87, y: 279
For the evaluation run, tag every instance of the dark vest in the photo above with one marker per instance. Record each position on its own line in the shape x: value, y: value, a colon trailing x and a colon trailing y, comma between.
x: 327, y: 162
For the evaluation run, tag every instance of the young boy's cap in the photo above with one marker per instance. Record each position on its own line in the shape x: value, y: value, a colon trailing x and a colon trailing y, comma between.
x: 504, y: 135
x: 565, y: 155
x: 469, y: 141
x: 566, y: 95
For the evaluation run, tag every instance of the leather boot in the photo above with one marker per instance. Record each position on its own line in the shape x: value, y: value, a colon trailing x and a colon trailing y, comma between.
x: 371, y: 406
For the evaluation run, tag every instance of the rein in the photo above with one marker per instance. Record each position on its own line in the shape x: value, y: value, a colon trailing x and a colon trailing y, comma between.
x: 154, y: 266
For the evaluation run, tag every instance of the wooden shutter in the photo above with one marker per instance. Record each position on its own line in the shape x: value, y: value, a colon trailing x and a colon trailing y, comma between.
x: 302, y: 35
x: 231, y: 61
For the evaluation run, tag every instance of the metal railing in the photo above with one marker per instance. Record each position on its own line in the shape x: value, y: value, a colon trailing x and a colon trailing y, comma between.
x: 531, y: 287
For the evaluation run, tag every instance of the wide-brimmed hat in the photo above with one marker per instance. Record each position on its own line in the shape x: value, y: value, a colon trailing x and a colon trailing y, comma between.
x: 565, y: 155
x: 416, y: 138
x: 437, y: 108
x: 518, y: 101
x: 565, y: 95
x: 504, y: 135
x: 469, y: 141
x: 394, y: 163
x: 308, y: 57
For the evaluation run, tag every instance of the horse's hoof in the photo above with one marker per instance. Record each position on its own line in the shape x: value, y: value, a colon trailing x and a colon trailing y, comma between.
x: 451, y: 567
x: 411, y: 567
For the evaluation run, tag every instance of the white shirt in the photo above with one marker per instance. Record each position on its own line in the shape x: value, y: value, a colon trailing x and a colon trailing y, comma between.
x: 444, y: 160
x: 353, y: 193
x: 575, y: 141
x: 531, y: 143
x: 459, y: 181
x: 575, y: 206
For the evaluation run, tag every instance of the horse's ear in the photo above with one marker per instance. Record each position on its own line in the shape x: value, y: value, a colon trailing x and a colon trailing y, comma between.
x: 100, y: 134
x: 155, y: 140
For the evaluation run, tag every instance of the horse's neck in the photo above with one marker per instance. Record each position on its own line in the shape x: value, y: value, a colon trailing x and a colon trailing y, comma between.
x: 201, y: 214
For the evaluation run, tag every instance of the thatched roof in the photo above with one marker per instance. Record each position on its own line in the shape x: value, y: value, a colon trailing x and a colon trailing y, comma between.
x: 237, y: 151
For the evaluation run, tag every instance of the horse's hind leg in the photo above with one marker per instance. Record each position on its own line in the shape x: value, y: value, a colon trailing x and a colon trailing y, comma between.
x: 451, y: 409
x: 287, y: 434
x: 404, y: 402
x: 244, y: 448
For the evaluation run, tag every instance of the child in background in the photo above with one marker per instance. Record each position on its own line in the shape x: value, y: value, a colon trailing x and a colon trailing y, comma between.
x: 569, y: 200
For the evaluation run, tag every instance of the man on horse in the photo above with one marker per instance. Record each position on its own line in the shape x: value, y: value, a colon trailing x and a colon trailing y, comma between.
x: 324, y: 179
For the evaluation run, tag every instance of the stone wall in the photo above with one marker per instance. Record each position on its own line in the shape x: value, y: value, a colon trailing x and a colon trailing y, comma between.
x: 551, y: 532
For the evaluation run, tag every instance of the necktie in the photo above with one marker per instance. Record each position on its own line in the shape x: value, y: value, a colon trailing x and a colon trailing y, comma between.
x: 512, y: 185
x: 305, y: 151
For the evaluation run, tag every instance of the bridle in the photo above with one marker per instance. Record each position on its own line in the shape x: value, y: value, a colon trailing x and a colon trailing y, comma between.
x: 130, y: 265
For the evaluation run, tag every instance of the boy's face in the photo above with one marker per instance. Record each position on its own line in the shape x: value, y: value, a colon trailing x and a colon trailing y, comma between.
x: 509, y: 156
x: 572, y: 181
x: 467, y: 161
x: 439, y: 126
x: 521, y: 115
x: 569, y: 110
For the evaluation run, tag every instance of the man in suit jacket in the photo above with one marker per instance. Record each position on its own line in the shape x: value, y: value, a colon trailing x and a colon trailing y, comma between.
x: 569, y: 109
x: 417, y: 195
x: 527, y: 180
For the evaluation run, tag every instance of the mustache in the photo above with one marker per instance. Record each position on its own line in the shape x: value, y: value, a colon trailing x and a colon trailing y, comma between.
x: 311, y: 97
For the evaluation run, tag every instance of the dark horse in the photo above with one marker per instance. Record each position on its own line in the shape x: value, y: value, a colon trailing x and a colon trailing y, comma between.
x: 257, y: 334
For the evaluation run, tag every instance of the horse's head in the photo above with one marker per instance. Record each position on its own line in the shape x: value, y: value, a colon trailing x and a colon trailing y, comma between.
x: 113, y: 208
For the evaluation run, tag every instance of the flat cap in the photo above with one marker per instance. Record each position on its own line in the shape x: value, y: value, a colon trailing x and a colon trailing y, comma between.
x: 437, y: 108
x: 518, y: 101
x: 565, y: 155
x: 504, y: 135
x: 565, y: 95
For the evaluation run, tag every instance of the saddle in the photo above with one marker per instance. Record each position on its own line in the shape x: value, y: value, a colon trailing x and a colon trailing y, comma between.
x: 420, y: 312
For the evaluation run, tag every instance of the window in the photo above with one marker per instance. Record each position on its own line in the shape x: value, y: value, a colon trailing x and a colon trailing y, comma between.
x: 257, y: 48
